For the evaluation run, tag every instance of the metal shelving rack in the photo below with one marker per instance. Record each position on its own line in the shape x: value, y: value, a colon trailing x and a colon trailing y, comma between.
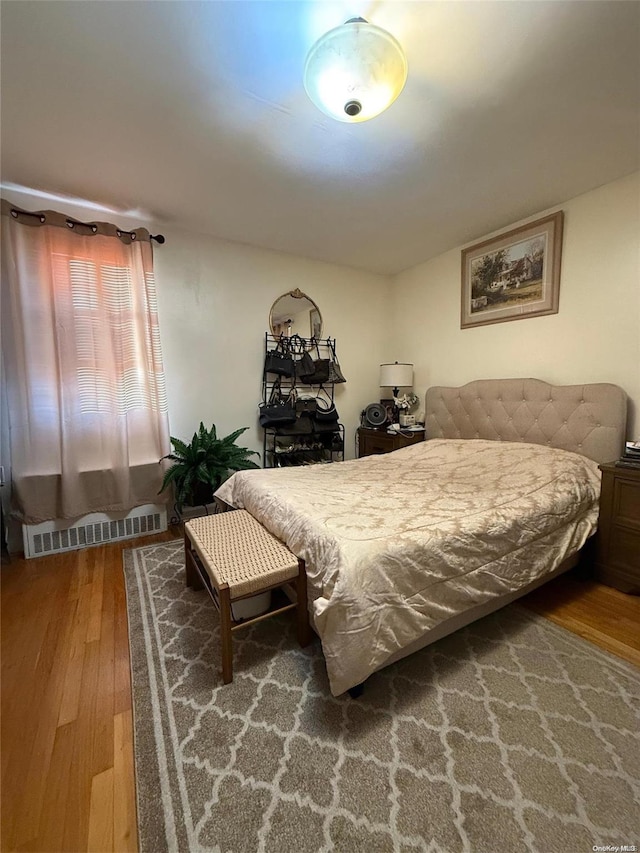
x: 284, y: 447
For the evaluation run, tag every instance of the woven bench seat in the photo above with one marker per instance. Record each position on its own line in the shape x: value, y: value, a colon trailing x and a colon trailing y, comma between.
x: 235, y: 557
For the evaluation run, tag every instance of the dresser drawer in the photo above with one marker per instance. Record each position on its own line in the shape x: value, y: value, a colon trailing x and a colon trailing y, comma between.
x: 626, y: 503
x: 373, y: 441
x: 624, y: 549
x: 374, y: 444
x: 618, y: 540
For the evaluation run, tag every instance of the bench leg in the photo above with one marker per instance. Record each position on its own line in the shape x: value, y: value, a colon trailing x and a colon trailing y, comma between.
x: 192, y: 575
x: 304, y: 629
x: 225, y: 634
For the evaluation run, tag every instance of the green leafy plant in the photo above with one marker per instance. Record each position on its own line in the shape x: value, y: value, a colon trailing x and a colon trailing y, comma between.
x: 204, y: 464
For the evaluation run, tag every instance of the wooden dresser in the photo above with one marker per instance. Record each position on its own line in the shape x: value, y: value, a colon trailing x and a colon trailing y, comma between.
x: 372, y: 441
x: 618, y: 541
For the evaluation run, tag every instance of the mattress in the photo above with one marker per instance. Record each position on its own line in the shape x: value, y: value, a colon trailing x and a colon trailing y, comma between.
x: 396, y: 544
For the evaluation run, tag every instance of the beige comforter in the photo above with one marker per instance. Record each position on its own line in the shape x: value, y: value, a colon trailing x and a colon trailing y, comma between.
x: 396, y: 544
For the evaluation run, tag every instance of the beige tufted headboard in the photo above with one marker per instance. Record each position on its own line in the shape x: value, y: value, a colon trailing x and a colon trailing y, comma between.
x: 588, y: 419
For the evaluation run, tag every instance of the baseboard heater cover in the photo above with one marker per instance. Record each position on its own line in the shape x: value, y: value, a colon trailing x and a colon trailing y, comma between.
x: 53, y: 537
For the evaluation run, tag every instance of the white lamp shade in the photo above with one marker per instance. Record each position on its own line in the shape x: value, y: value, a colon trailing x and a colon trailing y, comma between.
x: 396, y: 375
x: 355, y: 71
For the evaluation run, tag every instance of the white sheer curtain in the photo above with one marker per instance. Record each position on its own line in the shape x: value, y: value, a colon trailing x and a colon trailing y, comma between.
x: 83, y: 367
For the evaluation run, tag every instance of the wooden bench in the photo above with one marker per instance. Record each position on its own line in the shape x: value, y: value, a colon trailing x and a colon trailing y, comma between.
x: 234, y: 557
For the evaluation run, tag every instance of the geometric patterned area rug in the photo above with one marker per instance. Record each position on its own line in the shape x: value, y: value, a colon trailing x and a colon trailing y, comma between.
x: 510, y: 735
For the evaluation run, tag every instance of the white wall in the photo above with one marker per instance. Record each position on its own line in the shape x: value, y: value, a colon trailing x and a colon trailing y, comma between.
x: 215, y: 296
x: 214, y: 299
x: 595, y: 337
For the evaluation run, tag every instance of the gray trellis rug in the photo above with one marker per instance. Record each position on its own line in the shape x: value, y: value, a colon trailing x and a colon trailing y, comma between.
x: 510, y: 735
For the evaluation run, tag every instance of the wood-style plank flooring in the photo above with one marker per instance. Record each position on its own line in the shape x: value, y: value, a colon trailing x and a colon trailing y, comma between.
x: 67, y: 740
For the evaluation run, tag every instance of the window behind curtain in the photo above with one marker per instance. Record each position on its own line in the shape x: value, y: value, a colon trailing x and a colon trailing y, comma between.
x: 85, y: 381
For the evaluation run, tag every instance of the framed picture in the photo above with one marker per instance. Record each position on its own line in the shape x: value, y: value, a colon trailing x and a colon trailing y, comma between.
x: 514, y: 275
x: 315, y: 323
x: 390, y: 408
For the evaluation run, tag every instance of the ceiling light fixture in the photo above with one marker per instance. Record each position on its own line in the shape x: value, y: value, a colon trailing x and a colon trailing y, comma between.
x: 355, y: 71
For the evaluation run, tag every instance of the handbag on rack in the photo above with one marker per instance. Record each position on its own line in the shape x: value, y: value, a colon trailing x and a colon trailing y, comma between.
x: 320, y: 372
x: 326, y: 426
x: 335, y: 371
x: 278, y: 410
x: 326, y: 415
x: 304, y: 366
x: 301, y: 426
x: 280, y: 360
x: 326, y: 412
x: 306, y: 406
x: 298, y: 346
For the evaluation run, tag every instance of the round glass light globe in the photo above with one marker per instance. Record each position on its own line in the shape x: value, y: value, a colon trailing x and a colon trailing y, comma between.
x: 355, y: 71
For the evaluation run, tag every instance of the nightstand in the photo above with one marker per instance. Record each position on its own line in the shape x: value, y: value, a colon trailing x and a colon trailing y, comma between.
x: 373, y: 441
x: 618, y: 542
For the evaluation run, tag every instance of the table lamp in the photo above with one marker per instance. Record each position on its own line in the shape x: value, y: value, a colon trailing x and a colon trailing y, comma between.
x: 396, y: 376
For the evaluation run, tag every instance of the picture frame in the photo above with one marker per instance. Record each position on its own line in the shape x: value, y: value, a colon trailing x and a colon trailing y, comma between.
x: 315, y: 323
x: 389, y: 405
x: 514, y: 275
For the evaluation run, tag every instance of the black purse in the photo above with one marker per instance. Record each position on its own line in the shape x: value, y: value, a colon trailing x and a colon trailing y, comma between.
x: 326, y: 414
x: 320, y: 372
x: 325, y: 417
x: 280, y: 360
x: 326, y: 426
x: 278, y: 410
x: 335, y: 371
x: 302, y: 361
x: 306, y: 406
x: 304, y: 366
x: 301, y: 426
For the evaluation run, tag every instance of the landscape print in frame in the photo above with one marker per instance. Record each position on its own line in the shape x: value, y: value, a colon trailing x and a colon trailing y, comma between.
x: 315, y: 323
x: 513, y: 275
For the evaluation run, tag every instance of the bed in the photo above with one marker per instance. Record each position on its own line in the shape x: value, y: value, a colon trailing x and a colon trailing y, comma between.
x: 404, y: 548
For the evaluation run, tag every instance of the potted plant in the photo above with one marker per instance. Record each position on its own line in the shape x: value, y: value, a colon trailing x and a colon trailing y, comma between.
x: 204, y: 464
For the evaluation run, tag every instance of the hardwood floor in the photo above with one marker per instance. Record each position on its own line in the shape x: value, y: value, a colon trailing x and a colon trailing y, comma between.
x: 601, y: 614
x: 67, y: 740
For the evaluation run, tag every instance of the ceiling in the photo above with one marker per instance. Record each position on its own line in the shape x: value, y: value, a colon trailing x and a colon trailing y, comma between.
x: 194, y: 114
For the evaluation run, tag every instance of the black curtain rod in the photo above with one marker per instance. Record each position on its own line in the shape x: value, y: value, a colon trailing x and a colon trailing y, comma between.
x: 159, y: 238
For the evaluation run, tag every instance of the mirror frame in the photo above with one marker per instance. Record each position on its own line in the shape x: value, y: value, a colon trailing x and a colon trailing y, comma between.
x: 296, y: 294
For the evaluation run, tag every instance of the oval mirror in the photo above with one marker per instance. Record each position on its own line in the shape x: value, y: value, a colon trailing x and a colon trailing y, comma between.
x: 294, y: 313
